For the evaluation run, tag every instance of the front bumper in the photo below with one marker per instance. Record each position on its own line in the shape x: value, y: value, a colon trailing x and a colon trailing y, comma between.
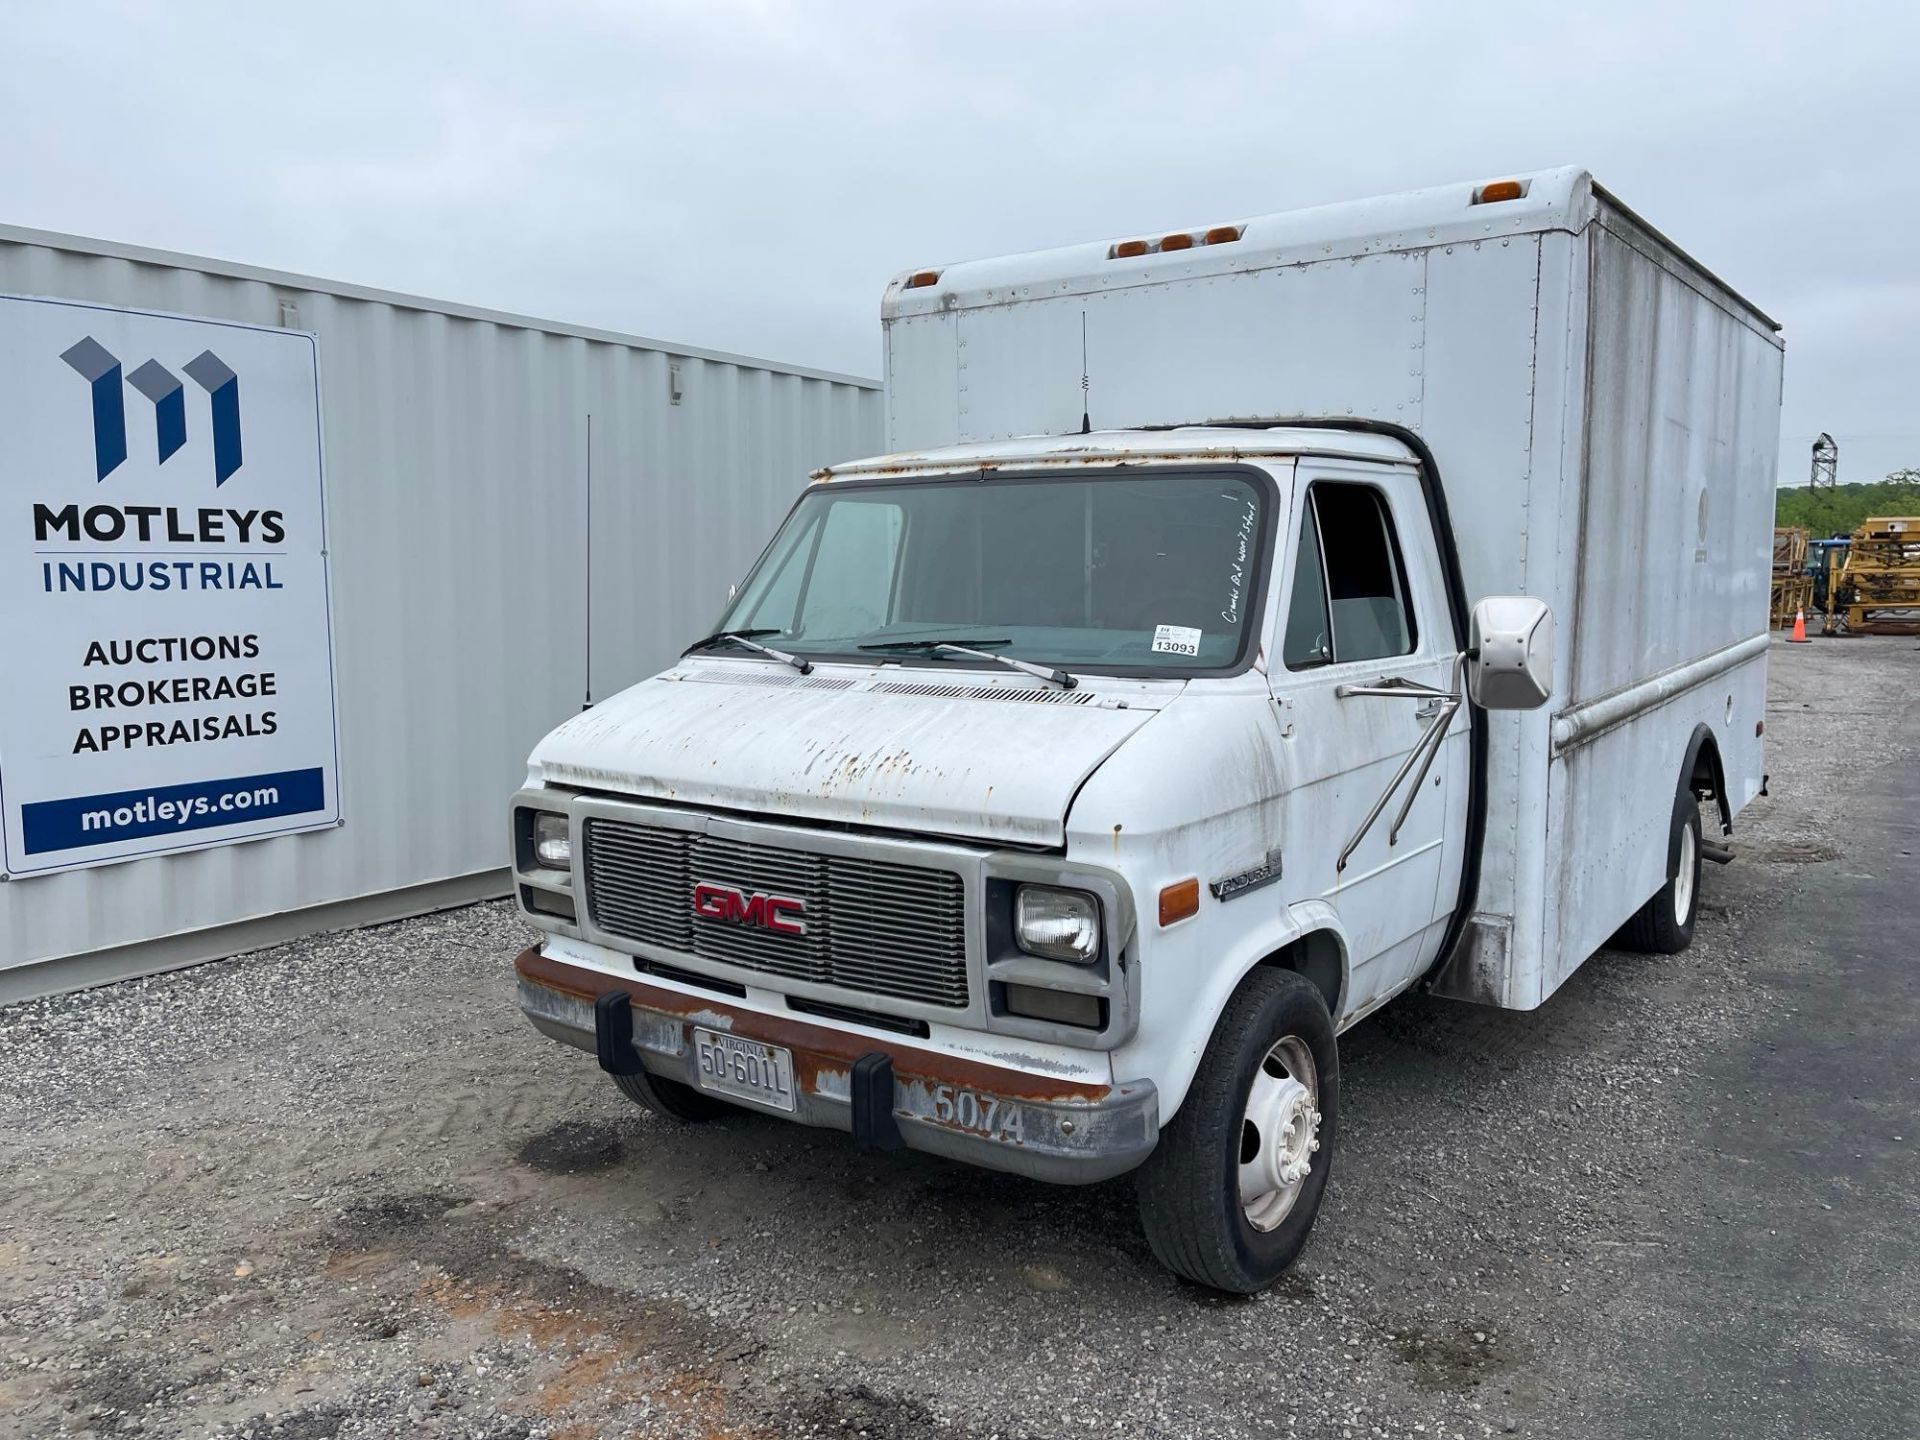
x: 1067, y: 1132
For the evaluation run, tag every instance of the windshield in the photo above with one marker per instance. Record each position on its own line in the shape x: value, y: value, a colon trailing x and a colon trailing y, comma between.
x: 1154, y: 571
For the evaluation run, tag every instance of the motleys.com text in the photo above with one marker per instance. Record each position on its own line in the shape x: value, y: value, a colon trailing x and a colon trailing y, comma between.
x: 178, y: 812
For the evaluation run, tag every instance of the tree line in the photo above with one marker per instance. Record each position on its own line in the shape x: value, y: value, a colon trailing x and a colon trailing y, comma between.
x: 1839, y: 511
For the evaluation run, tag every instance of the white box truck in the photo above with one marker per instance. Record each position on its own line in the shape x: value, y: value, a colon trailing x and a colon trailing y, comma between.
x: 1254, y: 622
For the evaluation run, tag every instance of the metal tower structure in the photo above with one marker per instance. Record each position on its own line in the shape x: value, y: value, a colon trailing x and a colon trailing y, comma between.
x: 1826, y: 460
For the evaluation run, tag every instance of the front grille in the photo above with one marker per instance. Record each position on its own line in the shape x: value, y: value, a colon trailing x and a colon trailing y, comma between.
x: 872, y: 926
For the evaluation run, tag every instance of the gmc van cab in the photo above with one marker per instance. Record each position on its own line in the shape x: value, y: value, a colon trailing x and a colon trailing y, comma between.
x: 1253, y: 623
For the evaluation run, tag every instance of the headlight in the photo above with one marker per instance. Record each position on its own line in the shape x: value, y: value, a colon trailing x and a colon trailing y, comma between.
x: 552, y: 841
x: 1057, y: 924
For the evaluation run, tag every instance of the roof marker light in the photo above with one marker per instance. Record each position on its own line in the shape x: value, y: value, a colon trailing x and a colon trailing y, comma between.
x: 1127, y: 249
x: 1223, y: 234
x: 920, y: 279
x: 1176, y: 242
x: 1496, y: 190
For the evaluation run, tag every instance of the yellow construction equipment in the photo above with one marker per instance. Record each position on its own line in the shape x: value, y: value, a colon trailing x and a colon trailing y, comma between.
x: 1880, y: 582
x: 1792, y: 586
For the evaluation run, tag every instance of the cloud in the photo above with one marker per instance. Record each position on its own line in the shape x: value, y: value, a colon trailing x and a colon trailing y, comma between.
x: 746, y: 174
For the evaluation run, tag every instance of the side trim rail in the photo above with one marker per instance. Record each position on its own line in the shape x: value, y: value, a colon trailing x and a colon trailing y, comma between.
x: 1582, y: 723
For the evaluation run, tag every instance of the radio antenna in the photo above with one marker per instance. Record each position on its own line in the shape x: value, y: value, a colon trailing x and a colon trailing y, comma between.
x: 587, y: 703
x: 1086, y: 399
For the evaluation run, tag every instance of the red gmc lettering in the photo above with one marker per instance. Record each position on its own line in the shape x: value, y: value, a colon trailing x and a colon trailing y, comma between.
x: 778, y: 913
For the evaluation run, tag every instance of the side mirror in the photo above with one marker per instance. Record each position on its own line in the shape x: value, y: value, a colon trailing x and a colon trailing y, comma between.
x: 1510, y: 654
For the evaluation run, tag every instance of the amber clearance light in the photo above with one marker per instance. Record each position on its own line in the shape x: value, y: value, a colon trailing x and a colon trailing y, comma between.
x: 1495, y: 191
x: 1180, y: 900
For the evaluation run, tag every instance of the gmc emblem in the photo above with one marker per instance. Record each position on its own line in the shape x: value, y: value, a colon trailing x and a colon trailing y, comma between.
x: 778, y: 913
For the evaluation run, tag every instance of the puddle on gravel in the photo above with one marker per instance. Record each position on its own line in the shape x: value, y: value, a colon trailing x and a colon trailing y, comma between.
x: 575, y: 1147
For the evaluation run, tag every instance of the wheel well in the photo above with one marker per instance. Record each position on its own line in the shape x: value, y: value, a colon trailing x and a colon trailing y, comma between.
x: 1705, y: 777
x: 1320, y: 959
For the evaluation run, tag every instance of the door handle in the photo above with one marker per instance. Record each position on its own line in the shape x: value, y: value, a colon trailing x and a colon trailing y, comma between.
x: 1430, y: 710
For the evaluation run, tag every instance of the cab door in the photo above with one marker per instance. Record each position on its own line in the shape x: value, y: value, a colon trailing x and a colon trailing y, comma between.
x: 1364, y: 608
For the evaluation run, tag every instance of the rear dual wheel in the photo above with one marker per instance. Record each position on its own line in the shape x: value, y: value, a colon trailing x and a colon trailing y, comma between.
x: 1230, y: 1192
x: 1664, y: 925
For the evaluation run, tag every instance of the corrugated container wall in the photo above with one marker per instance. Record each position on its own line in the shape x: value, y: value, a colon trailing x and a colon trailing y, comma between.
x: 458, y: 446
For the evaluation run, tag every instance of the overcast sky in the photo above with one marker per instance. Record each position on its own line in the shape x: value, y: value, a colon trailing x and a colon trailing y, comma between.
x: 746, y: 176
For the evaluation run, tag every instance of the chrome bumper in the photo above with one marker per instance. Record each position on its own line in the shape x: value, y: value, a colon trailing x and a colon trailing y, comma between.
x: 1066, y: 1132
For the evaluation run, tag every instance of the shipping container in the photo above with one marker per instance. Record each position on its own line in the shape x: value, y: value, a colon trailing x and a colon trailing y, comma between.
x: 520, y: 515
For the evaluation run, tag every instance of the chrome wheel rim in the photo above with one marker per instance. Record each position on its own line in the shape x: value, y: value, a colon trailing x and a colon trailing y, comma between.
x: 1279, y: 1133
x: 1683, y: 882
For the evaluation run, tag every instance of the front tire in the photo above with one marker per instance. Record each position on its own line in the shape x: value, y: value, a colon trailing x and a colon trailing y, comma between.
x: 672, y: 1099
x: 1230, y: 1192
x: 1664, y: 925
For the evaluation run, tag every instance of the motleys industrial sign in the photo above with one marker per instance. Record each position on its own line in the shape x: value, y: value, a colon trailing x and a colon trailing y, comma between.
x: 163, y: 586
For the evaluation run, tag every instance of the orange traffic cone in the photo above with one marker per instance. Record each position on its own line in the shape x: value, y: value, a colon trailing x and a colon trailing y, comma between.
x: 1799, y: 635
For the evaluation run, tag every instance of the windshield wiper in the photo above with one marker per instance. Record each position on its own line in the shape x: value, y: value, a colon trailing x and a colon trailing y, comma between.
x: 745, y: 637
x: 929, y: 642
x: 938, y: 647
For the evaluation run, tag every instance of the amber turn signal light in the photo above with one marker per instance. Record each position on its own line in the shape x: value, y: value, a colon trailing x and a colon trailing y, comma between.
x: 1179, y: 901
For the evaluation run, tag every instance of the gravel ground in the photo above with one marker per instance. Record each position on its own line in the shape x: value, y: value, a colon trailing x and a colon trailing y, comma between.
x: 340, y: 1189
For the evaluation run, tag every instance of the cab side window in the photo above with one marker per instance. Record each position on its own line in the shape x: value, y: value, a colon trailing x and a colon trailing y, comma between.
x: 1349, y: 600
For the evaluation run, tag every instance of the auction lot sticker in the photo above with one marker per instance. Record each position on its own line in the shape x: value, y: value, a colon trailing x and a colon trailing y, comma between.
x: 164, y: 621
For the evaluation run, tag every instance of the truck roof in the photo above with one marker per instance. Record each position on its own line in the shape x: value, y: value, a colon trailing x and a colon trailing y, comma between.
x: 1187, y: 442
x: 1566, y: 198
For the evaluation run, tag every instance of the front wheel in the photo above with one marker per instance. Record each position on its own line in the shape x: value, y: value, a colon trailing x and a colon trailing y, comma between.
x: 1230, y: 1192
x: 672, y: 1099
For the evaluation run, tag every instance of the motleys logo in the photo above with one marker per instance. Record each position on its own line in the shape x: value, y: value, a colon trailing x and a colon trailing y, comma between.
x: 768, y: 912
x: 100, y: 368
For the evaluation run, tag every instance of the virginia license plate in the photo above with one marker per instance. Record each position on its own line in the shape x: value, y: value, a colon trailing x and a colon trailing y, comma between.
x: 744, y: 1069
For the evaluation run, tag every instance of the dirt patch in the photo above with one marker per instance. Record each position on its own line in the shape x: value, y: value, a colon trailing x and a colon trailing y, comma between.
x: 575, y: 1147
x: 113, y: 1388
x: 1790, y: 852
x: 861, y: 1410
x: 1452, y: 1359
x: 392, y: 1216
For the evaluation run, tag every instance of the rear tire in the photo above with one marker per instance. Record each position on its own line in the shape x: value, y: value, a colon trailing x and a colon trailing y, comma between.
x: 673, y: 1099
x: 1262, y: 1108
x: 1664, y: 925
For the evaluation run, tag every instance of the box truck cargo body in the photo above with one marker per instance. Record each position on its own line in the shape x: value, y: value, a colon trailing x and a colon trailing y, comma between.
x: 1249, y: 623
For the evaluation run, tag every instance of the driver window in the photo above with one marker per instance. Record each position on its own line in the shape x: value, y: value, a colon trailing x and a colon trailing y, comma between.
x: 1349, y: 597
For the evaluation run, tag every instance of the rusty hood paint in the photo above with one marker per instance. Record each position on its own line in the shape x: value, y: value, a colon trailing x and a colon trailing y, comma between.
x: 972, y: 768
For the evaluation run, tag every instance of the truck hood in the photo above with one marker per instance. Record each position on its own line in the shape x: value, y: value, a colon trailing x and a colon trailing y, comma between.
x: 961, y: 754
